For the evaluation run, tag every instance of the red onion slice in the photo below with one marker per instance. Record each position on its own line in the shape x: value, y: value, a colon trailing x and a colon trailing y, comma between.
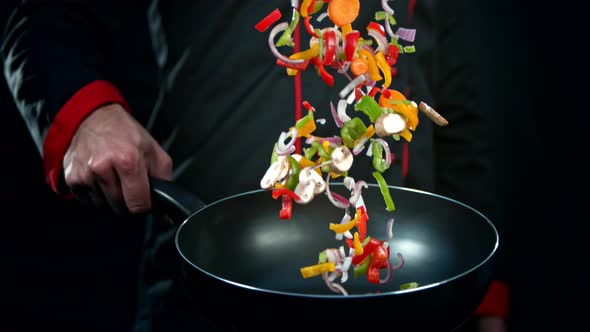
x: 390, y: 228
x: 352, y: 85
x: 271, y: 43
x: 338, y: 200
x: 337, y: 120
x: 386, y: 8
x: 357, y: 191
x: 406, y: 34
x: 382, y: 43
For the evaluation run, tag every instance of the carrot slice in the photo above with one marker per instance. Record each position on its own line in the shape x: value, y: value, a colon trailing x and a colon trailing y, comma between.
x: 359, y: 66
x: 343, y: 12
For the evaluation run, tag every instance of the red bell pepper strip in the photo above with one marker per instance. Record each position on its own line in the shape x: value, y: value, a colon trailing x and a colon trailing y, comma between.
x: 276, y: 193
x: 286, y: 208
x: 392, y: 54
x: 329, y: 46
x: 377, y: 27
x: 326, y: 77
x: 378, y: 262
x: 361, y: 226
x: 287, y: 201
x: 309, y: 27
x: 266, y: 22
x: 350, y: 43
x: 367, y: 250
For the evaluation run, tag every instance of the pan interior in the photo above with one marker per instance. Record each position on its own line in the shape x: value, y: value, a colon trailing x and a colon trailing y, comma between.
x: 241, y: 239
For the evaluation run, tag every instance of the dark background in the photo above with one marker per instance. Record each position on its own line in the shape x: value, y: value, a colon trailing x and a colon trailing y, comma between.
x: 64, y: 267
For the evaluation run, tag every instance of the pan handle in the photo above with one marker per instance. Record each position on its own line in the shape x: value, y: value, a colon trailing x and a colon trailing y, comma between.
x: 173, y: 200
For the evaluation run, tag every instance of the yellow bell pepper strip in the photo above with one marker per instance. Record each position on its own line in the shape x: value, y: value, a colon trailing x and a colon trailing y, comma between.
x: 345, y: 29
x: 367, y: 250
x: 370, y: 107
x: 350, y: 43
x: 358, y: 248
x: 384, y: 67
x: 351, y: 131
x: 304, y: 9
x: 342, y: 228
x: 304, y: 162
x: 373, y: 68
x: 306, y: 125
x: 286, y: 37
x: 269, y: 20
x: 306, y: 55
x: 317, y: 269
x: 384, y: 191
x: 407, y: 135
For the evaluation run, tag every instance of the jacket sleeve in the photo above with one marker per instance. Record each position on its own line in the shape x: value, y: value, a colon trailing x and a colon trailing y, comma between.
x: 55, y: 59
x: 463, y: 148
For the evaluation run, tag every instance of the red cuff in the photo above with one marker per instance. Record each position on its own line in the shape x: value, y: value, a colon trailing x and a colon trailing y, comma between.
x: 495, y: 303
x: 67, y: 120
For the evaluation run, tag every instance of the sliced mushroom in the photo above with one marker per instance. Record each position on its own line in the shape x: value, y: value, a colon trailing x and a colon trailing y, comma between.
x: 389, y: 124
x: 308, y: 176
x: 305, y: 192
x: 433, y: 115
x: 277, y: 170
x: 342, y: 160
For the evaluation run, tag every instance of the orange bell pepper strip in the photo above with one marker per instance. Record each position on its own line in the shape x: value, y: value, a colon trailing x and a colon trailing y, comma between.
x: 308, y: 54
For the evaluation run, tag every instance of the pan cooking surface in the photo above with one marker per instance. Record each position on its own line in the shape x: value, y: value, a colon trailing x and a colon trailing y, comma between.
x: 242, y: 240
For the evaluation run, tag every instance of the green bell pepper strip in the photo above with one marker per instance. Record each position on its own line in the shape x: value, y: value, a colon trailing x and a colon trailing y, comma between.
x: 384, y: 191
x: 320, y: 150
x: 378, y: 161
x: 361, y: 269
x: 310, y: 152
x: 286, y: 38
x: 351, y: 131
x: 370, y: 107
x: 322, y: 257
x: 274, y: 156
x: 408, y: 285
x: 293, y: 179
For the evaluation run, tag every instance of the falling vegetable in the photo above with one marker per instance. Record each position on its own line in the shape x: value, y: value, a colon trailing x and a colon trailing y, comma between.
x: 382, y: 113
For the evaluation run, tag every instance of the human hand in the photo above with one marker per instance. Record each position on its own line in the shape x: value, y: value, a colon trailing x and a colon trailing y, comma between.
x: 110, y: 160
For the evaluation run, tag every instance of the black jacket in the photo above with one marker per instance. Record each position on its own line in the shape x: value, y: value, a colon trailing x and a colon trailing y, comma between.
x: 203, y: 81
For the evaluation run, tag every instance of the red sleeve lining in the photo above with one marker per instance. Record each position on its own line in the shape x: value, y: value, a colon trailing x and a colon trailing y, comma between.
x: 64, y: 126
x: 496, y: 301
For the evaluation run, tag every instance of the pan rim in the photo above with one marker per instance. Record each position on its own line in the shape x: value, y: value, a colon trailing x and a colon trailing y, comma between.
x: 340, y: 296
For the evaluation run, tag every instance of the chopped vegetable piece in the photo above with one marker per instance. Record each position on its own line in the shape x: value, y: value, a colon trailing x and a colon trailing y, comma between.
x: 408, y: 285
x: 384, y: 191
x: 343, y: 12
x: 316, y: 270
x: 269, y: 20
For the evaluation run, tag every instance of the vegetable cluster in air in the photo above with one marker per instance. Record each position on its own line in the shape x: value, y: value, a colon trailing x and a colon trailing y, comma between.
x: 380, y: 113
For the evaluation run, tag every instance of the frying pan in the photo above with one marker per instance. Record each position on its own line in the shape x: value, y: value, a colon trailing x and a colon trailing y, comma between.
x: 241, y: 261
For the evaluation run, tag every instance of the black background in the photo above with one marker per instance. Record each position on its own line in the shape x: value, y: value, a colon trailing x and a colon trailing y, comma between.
x: 64, y: 267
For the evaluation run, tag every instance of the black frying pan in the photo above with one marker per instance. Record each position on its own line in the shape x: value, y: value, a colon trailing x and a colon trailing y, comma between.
x: 238, y: 252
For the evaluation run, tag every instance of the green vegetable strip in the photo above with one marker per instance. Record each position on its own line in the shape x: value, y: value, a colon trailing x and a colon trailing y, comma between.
x: 370, y: 107
x: 384, y: 191
x: 286, y: 38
